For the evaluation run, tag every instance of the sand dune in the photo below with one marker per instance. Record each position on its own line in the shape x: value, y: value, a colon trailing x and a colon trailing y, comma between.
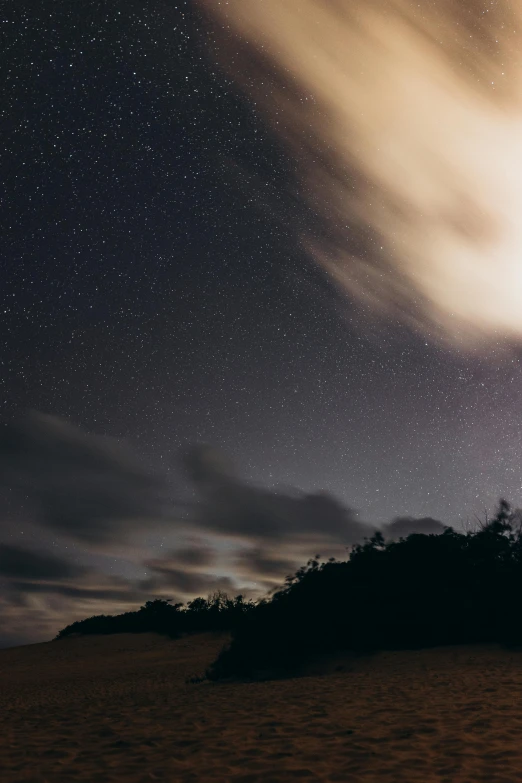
x: 117, y: 708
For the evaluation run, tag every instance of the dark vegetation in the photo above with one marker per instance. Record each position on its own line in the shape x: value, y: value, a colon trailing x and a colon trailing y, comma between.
x: 216, y: 613
x: 419, y: 591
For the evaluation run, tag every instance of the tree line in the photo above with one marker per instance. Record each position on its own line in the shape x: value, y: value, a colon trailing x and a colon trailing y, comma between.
x: 418, y: 591
x: 218, y: 612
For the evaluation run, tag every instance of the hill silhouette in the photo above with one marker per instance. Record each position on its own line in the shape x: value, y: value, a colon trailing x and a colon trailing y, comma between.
x: 419, y: 591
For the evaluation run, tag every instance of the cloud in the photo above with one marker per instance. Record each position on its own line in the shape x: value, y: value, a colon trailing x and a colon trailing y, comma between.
x: 106, y: 591
x: 166, y: 575
x: 20, y: 563
x: 85, y: 486
x: 259, y: 563
x: 401, y: 527
x: 206, y: 465
x: 230, y: 506
x: 42, y: 592
x: 26, y: 571
x: 89, y: 488
x: 405, y: 123
x: 284, y: 528
x: 180, y: 570
x: 193, y: 555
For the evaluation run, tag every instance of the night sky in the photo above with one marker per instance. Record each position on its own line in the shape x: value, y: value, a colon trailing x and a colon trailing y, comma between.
x: 155, y: 294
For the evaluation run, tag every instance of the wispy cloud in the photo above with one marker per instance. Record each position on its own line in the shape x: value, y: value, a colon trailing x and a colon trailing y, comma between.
x: 87, y: 487
x: 405, y: 121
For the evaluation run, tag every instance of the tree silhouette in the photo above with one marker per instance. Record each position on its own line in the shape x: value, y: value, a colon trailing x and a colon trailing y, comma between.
x: 419, y: 591
x: 218, y: 612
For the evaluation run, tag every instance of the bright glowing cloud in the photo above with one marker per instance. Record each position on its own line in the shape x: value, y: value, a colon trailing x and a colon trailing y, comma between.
x: 406, y: 121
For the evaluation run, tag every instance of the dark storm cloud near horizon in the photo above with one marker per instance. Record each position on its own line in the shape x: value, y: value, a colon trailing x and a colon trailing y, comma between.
x: 88, y: 487
x: 231, y: 506
x: 22, y: 563
x: 91, y: 488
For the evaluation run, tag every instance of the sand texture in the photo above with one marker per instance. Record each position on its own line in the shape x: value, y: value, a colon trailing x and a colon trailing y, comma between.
x: 118, y: 709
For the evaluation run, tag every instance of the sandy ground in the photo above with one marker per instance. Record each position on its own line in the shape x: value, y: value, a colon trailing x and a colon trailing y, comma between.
x: 118, y: 709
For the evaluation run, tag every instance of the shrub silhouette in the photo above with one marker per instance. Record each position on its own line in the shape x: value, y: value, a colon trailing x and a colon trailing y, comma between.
x: 218, y: 612
x: 420, y: 591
